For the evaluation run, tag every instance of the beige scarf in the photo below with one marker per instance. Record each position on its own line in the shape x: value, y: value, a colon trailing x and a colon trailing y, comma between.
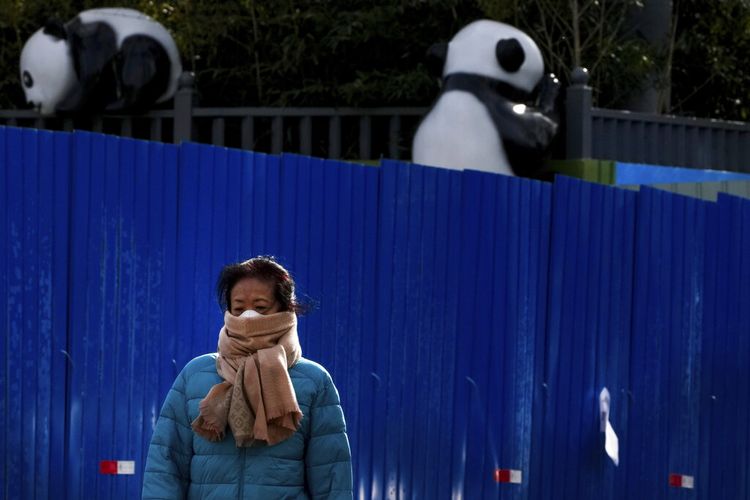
x: 256, y: 399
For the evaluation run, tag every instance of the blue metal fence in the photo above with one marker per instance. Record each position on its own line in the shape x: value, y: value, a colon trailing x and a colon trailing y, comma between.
x: 34, y: 316
x: 469, y: 320
x: 588, y: 338
x: 121, y: 330
x: 666, y: 340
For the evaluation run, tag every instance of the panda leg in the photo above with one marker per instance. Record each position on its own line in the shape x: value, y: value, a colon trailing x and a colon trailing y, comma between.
x: 143, y: 70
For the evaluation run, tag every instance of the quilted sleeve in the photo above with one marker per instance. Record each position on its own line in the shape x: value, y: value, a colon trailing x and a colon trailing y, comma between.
x: 328, y: 461
x: 167, y: 473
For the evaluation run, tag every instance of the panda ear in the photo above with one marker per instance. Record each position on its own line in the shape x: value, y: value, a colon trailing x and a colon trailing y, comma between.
x: 436, y: 55
x: 509, y: 54
x: 56, y: 29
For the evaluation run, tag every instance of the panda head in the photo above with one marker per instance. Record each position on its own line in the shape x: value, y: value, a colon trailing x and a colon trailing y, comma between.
x: 47, y: 72
x: 495, y: 50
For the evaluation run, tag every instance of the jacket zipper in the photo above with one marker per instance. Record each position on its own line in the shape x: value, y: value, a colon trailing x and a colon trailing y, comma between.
x: 242, y: 474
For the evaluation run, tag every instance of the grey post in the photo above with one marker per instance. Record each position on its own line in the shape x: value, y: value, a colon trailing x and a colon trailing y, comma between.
x: 183, y: 109
x: 578, y: 116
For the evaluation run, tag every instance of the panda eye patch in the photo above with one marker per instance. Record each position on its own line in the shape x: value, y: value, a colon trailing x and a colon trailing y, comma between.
x: 28, y: 82
x: 509, y: 54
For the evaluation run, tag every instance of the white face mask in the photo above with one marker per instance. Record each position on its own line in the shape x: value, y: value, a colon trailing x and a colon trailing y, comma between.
x: 250, y: 313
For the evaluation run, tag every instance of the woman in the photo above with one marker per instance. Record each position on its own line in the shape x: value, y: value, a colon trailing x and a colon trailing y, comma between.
x: 254, y: 420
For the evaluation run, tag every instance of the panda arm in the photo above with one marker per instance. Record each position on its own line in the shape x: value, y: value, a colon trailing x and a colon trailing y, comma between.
x: 143, y: 71
x: 93, y: 47
x: 526, y: 137
x: 530, y: 129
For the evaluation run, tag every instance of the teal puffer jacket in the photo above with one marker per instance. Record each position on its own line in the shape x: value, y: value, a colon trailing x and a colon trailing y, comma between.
x: 314, y: 463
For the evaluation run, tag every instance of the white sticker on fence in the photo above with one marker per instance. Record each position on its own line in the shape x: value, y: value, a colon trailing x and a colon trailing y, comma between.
x: 125, y: 467
x: 116, y: 467
x: 508, y: 476
x: 682, y: 481
x: 611, y: 442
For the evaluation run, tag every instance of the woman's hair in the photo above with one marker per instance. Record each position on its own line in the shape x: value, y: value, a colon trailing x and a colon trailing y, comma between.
x: 264, y: 268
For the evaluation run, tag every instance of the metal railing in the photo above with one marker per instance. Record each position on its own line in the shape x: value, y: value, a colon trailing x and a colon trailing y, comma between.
x: 626, y: 136
x: 348, y: 133
x: 374, y: 133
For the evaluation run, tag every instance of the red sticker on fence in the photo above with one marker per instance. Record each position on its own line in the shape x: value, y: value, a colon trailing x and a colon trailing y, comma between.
x: 108, y: 467
x: 508, y: 476
x: 681, y: 481
x: 117, y: 467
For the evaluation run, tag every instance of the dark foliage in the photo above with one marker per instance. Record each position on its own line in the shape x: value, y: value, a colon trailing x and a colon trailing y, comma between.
x: 711, y: 75
x: 361, y: 53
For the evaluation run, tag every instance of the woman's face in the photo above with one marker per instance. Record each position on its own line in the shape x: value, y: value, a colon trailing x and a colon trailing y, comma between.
x: 255, y: 294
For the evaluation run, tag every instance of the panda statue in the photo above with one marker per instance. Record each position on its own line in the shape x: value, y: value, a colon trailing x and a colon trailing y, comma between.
x: 495, y: 111
x: 107, y: 59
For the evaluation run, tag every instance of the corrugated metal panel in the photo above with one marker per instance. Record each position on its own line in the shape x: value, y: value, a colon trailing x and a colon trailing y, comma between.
x: 469, y: 320
x: 708, y: 191
x: 33, y: 294
x: 666, y: 342
x: 417, y: 290
x: 395, y: 339
x: 724, y: 403
x: 492, y: 338
x: 328, y: 226
x: 499, y: 298
x: 590, y: 280
x: 122, y: 242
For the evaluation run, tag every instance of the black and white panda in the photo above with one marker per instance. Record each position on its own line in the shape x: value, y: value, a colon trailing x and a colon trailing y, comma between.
x: 107, y: 59
x: 484, y: 118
